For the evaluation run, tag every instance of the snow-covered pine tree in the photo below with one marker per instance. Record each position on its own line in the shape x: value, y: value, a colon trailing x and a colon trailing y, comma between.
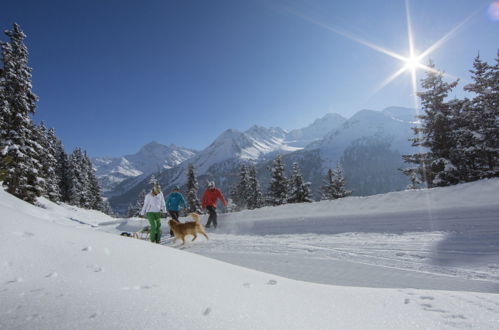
x: 278, y: 188
x: 339, y: 183
x: 130, y: 212
x: 48, y: 161
x: 298, y: 190
x: 76, y: 179
x: 94, y: 197
x: 255, y: 196
x: 328, y: 187
x: 107, y: 209
x: 435, y: 135
x: 334, y: 185
x: 240, y: 193
x: 192, y: 190
x: 153, y: 181
x: 413, y: 181
x: 231, y: 206
x: 135, y: 208
x: 480, y: 136
x: 140, y: 201
x: 19, y: 159
x: 62, y: 166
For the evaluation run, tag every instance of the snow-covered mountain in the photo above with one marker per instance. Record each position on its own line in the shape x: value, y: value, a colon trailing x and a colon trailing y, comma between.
x: 151, y: 158
x: 370, y: 146
x: 370, y: 143
x: 315, y: 131
x: 392, y: 125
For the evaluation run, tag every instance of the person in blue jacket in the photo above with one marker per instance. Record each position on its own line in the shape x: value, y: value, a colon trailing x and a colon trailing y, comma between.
x: 174, y: 201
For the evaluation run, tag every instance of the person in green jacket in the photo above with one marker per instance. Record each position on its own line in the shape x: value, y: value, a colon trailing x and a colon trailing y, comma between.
x: 154, y: 204
x: 174, y: 201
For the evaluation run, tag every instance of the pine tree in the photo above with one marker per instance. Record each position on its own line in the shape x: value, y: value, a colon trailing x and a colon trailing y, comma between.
x: 435, y: 135
x: 192, y: 190
x: 77, y: 179
x: 413, y: 181
x: 255, y: 196
x: 135, y: 208
x: 231, y: 206
x: 94, y: 197
x: 480, y: 134
x: 48, y: 162
x: 62, y: 171
x: 153, y: 181
x: 328, y: 187
x: 278, y: 189
x: 20, y: 161
x: 240, y: 193
x: 298, y: 190
x: 334, y: 185
x: 107, y: 209
x: 140, y: 201
x: 131, y: 211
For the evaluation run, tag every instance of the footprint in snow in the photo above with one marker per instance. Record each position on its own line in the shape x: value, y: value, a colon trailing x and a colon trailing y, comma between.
x: 207, y: 311
x: 16, y: 280
x: 456, y: 316
x: 87, y: 249
x: 95, y: 268
x: 94, y: 316
x: 406, y: 301
x: 427, y: 298
x: 247, y: 285
x: 271, y: 282
x: 53, y: 274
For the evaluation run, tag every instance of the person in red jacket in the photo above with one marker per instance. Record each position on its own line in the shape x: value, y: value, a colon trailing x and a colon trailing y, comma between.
x: 210, y: 197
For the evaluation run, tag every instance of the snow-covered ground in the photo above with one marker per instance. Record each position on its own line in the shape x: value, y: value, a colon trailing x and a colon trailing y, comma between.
x: 426, y: 259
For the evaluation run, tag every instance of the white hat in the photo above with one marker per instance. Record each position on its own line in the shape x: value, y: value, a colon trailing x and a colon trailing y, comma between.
x: 211, y: 184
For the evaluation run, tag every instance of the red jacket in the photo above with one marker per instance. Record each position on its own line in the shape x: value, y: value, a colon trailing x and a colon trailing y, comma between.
x: 210, y: 197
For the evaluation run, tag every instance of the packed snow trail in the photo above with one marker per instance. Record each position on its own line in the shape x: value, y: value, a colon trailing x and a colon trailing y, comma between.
x: 385, y: 240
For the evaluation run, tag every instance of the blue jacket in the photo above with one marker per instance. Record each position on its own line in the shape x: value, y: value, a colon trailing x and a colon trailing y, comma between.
x: 174, y: 200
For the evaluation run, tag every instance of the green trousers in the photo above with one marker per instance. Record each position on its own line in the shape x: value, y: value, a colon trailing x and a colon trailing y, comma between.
x: 155, y: 224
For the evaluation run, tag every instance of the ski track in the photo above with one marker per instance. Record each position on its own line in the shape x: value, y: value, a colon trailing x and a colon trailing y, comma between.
x: 461, y: 257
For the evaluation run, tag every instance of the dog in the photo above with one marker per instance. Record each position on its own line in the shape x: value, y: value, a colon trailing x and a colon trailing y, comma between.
x: 180, y: 230
x: 143, y: 233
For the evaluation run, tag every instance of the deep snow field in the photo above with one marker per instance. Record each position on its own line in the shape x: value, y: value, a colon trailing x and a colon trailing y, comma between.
x: 421, y: 259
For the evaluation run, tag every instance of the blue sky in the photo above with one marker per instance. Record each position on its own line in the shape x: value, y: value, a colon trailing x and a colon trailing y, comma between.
x: 115, y: 75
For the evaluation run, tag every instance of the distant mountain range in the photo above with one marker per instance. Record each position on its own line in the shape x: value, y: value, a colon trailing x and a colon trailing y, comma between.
x: 369, y: 145
x: 151, y: 158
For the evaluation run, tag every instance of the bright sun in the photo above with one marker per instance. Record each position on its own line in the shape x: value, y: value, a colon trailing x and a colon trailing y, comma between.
x: 412, y: 63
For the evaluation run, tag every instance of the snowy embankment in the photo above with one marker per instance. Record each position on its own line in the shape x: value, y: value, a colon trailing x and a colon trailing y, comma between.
x: 58, y: 273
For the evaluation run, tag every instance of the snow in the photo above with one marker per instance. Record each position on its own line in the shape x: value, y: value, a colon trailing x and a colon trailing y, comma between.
x: 419, y: 259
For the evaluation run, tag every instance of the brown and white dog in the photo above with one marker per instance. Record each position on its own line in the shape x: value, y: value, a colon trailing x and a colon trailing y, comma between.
x: 180, y: 230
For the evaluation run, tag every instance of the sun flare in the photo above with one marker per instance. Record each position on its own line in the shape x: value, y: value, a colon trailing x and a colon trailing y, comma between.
x: 412, y: 62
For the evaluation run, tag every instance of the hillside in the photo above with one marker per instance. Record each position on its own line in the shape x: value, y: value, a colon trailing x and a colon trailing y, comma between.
x: 67, y: 268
